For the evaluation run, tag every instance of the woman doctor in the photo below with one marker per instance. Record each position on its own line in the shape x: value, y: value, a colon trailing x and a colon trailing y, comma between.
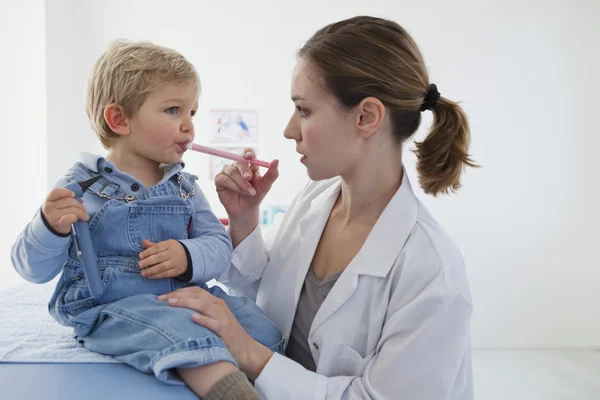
x: 368, y: 290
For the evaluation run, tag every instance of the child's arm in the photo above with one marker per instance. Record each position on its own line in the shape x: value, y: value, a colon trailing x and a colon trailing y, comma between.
x: 209, y: 246
x: 41, y: 249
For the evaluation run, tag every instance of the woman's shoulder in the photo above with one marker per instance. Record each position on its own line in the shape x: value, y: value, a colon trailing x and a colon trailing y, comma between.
x: 432, y: 260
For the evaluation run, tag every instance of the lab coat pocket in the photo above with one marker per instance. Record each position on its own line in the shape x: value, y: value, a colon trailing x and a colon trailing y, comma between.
x: 351, y: 363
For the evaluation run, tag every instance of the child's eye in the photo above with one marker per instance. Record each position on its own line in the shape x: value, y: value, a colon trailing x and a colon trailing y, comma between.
x: 193, y: 113
x: 172, y: 110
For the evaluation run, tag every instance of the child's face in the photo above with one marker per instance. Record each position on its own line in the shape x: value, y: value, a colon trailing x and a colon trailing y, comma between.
x: 163, y: 124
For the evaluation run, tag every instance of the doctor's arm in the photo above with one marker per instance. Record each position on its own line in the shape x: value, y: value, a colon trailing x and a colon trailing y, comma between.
x: 241, y: 189
x: 420, y: 356
x: 250, y: 258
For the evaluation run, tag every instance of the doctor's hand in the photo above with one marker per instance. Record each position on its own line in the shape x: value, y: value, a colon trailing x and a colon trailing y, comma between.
x: 214, y: 314
x: 241, y: 187
x: 165, y: 259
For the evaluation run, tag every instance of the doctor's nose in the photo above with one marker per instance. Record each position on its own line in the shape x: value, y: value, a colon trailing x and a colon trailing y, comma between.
x: 292, y: 130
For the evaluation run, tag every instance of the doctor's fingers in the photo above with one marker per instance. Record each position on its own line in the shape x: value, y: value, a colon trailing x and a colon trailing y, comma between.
x: 204, y: 306
x: 231, y: 179
x: 193, y: 292
x: 246, y: 170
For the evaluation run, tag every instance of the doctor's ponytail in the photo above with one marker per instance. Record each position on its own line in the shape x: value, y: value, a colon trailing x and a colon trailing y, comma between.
x: 443, y: 154
x: 366, y: 56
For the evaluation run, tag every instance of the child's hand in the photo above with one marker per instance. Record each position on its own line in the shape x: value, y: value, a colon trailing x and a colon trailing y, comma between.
x: 163, y: 260
x: 61, y: 209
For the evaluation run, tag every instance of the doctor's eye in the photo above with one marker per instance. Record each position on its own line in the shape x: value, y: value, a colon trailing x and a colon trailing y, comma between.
x: 303, y: 112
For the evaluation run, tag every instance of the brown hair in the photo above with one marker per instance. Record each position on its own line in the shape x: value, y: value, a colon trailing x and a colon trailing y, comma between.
x: 366, y: 56
x: 126, y: 74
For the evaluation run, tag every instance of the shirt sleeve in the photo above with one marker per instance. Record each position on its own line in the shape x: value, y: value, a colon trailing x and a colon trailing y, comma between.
x: 250, y: 258
x: 39, y: 254
x: 248, y: 262
x: 209, y: 246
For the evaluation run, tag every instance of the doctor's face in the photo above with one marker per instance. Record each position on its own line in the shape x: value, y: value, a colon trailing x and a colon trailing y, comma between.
x: 325, y: 134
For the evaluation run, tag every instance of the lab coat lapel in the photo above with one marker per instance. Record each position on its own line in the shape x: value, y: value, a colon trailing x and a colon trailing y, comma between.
x: 339, y: 294
x: 379, y: 252
x: 311, y: 228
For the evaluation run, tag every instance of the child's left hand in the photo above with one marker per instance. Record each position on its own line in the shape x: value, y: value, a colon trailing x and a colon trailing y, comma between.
x: 163, y: 260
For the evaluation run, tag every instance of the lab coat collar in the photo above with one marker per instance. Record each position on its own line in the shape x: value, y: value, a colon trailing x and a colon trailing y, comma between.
x: 383, y: 245
x: 311, y: 227
x: 377, y: 255
x: 390, y: 233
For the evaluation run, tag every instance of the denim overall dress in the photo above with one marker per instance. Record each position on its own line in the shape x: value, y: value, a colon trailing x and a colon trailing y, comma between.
x: 127, y: 321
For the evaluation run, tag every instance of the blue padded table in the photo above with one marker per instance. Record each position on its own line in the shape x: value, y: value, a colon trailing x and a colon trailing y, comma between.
x: 21, y: 381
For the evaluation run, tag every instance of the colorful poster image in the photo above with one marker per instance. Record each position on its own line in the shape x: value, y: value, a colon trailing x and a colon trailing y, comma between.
x: 233, y: 126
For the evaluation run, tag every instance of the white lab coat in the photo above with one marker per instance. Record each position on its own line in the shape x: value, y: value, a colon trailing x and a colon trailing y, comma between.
x: 396, y: 325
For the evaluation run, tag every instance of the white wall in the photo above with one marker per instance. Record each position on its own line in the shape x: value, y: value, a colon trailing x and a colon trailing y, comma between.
x: 65, y: 87
x: 526, y: 221
x: 23, y: 121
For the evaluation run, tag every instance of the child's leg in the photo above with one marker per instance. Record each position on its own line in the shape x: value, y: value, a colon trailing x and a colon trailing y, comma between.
x: 254, y: 320
x: 156, y: 338
x: 219, y: 381
x: 201, y: 379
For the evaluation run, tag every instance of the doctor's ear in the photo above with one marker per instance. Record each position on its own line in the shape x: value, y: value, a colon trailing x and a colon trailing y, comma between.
x: 117, y: 121
x: 370, y: 116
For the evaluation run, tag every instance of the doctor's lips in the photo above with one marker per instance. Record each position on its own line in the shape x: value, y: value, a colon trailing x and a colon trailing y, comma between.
x: 303, y: 157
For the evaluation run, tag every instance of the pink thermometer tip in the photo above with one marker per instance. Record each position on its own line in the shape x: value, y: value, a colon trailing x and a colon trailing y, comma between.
x: 224, y: 154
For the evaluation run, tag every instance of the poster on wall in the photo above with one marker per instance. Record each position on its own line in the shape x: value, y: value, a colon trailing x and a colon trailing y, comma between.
x: 233, y: 127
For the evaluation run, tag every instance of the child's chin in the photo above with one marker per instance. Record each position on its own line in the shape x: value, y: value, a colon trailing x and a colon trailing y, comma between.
x: 172, y: 159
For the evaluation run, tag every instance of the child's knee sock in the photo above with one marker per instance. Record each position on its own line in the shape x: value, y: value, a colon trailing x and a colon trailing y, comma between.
x: 234, y: 386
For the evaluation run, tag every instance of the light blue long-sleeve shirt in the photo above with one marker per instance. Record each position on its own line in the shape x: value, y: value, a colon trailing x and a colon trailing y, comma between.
x: 38, y: 254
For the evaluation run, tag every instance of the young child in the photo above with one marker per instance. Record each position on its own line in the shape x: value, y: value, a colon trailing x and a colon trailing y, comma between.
x: 151, y: 226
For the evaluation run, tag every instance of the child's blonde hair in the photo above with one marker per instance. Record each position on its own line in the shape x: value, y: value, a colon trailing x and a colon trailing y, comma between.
x: 126, y: 73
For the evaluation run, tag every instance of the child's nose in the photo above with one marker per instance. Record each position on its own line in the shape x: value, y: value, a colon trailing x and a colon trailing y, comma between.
x: 187, y: 126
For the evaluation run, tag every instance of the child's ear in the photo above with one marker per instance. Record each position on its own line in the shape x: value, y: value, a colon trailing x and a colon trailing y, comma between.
x: 114, y: 115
